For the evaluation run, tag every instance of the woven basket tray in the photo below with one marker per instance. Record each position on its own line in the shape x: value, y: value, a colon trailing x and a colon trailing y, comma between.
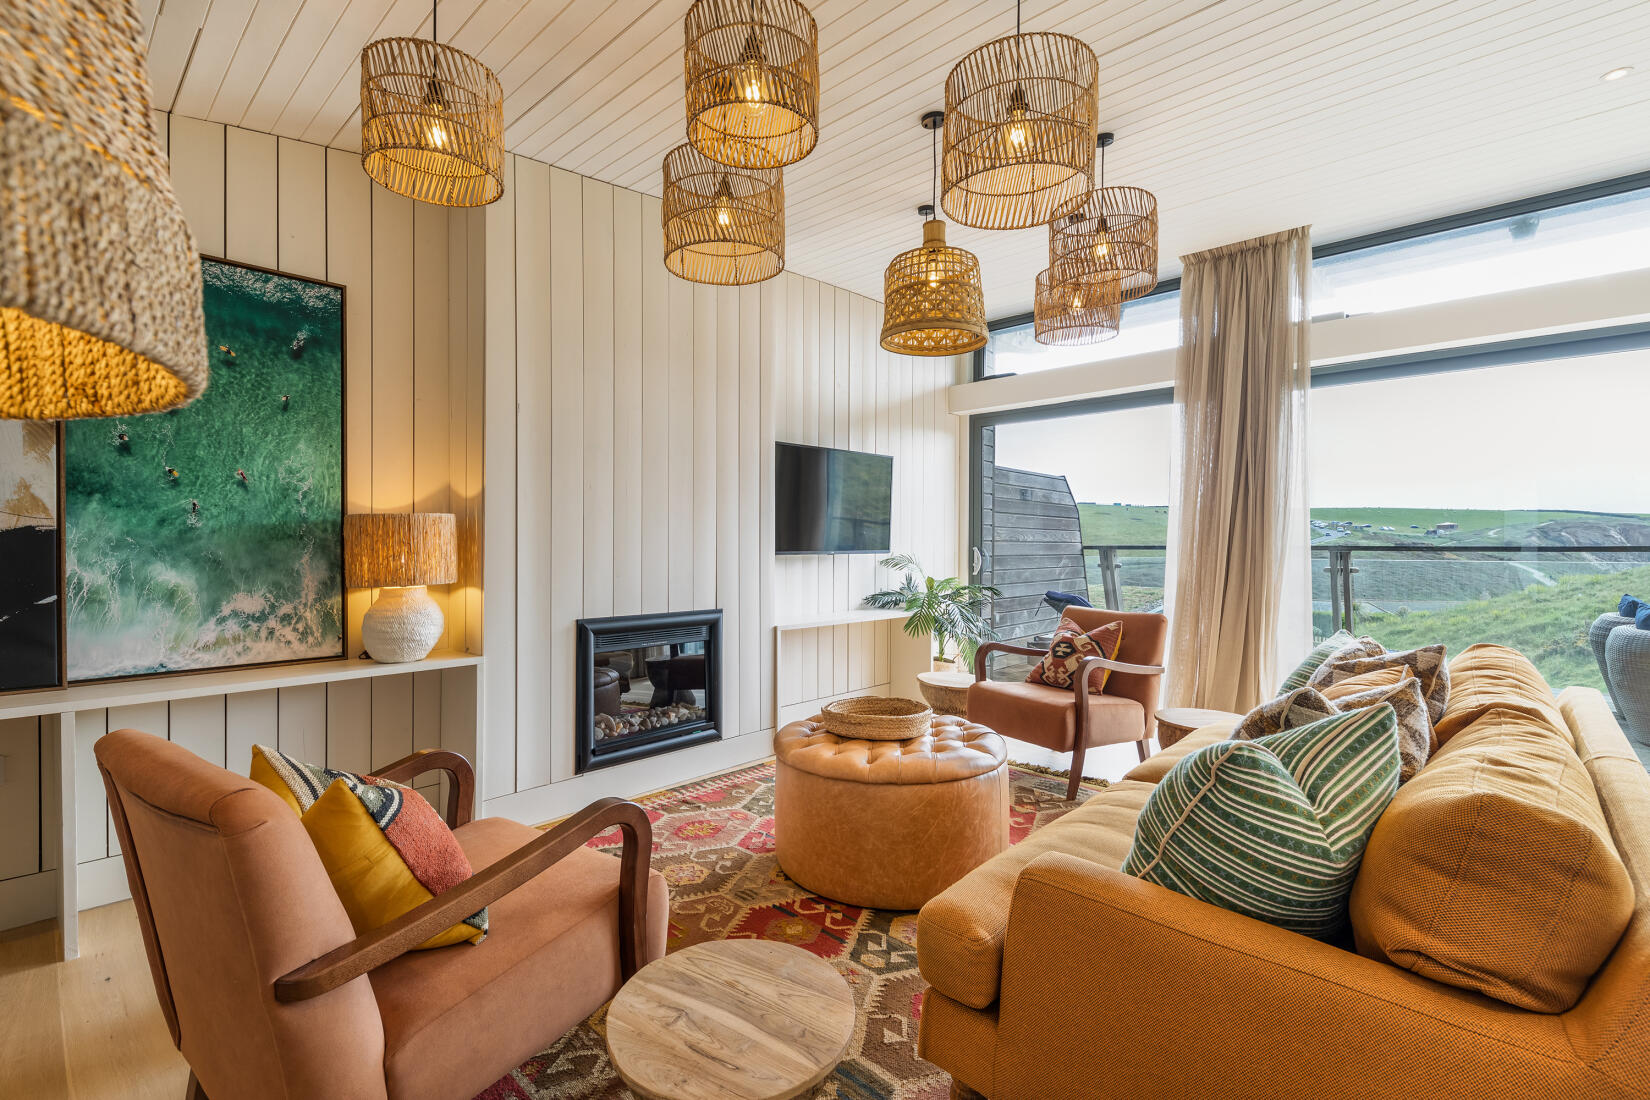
x: 877, y: 718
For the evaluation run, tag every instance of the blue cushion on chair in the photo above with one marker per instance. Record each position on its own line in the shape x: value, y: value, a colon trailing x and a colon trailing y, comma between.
x: 1062, y: 600
x: 1629, y: 607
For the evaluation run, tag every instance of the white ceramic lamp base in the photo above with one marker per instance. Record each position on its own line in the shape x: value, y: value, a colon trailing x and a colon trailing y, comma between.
x: 403, y: 624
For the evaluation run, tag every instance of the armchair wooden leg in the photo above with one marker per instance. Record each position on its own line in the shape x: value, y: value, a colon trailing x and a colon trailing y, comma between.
x: 1143, y: 747
x: 1076, y: 781
x: 960, y: 1091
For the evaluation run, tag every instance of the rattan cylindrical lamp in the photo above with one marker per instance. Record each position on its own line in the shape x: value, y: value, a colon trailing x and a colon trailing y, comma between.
x: 100, y: 283
x: 432, y: 122
x: 1085, y: 308
x: 1113, y: 227
x: 399, y: 553
x: 723, y: 226
x: 1020, y: 124
x: 752, y: 81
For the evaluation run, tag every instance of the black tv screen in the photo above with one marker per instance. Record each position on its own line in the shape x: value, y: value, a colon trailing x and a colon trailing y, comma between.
x: 829, y: 501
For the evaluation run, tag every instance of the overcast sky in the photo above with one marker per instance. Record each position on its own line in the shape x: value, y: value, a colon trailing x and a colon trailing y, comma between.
x: 1564, y: 434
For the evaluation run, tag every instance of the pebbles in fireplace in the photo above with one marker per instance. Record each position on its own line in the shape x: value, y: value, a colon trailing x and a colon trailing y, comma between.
x: 647, y: 684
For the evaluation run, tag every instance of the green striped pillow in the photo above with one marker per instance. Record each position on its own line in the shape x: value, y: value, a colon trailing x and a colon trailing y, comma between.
x: 1314, y: 660
x: 1273, y: 828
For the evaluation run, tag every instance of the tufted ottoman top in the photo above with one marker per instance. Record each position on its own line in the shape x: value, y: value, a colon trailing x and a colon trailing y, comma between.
x: 954, y: 748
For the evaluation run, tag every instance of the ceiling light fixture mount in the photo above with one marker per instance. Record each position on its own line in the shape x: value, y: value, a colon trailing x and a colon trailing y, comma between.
x: 933, y: 300
x: 1617, y: 73
x: 752, y: 81
x: 432, y: 121
x: 1020, y: 123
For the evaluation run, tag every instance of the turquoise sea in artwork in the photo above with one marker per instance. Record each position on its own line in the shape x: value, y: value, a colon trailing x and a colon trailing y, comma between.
x: 209, y: 536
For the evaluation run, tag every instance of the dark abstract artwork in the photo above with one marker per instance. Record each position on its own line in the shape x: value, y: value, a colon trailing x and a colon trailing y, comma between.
x: 30, y: 603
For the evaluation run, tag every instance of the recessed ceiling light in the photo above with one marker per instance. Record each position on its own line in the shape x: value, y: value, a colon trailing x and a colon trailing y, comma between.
x: 1617, y: 74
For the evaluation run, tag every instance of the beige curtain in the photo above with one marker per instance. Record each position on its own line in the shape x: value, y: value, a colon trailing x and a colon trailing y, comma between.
x: 1239, y: 581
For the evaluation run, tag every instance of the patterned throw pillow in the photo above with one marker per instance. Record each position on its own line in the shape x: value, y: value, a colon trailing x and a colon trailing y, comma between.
x: 1416, y: 741
x: 1070, y: 645
x: 1300, y: 707
x: 1338, y: 645
x: 1429, y: 664
x: 1275, y: 828
x: 384, y: 847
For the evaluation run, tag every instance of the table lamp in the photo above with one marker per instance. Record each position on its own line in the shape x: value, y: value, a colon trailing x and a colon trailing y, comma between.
x: 399, y: 553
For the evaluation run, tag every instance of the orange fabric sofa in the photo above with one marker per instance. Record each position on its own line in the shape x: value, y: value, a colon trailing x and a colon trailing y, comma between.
x: 1052, y: 974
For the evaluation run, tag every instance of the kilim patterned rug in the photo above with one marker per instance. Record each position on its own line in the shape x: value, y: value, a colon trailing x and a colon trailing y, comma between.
x: 713, y: 841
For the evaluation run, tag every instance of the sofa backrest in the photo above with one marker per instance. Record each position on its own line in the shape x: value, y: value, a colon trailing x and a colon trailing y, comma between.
x: 1144, y: 636
x: 1610, y: 1026
x: 230, y: 895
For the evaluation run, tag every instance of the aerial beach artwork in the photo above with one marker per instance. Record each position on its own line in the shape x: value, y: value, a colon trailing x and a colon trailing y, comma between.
x: 211, y: 536
x: 30, y: 604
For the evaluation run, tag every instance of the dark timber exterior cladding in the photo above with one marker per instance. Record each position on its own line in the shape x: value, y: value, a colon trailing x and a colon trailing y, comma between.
x: 1033, y: 541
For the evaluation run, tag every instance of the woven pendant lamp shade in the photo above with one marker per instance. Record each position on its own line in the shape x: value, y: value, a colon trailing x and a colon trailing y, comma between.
x: 100, y: 283
x: 752, y: 81
x: 432, y: 122
x: 1020, y: 126
x: 1084, y: 309
x: 723, y: 226
x: 933, y: 301
x: 1114, y: 227
x: 400, y: 549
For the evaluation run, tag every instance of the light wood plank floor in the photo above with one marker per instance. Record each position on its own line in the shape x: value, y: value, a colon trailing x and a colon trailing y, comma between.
x: 88, y: 1029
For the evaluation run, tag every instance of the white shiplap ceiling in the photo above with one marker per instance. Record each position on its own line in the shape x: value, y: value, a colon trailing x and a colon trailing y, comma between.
x: 1243, y: 117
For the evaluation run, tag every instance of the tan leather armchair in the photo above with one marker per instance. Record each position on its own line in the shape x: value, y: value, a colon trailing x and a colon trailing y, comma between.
x: 270, y: 993
x: 1072, y: 721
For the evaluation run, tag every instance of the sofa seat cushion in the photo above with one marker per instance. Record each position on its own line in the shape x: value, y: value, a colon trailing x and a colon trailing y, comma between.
x: 1156, y: 766
x: 960, y: 932
x: 459, y: 1018
x: 1494, y: 870
x: 1047, y: 716
x: 1487, y: 676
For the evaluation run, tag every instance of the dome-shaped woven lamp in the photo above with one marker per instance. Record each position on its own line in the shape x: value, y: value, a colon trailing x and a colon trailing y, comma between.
x: 100, y: 283
x: 1113, y: 227
x: 752, y: 81
x: 1084, y: 309
x: 724, y: 226
x: 1020, y: 121
x: 933, y: 302
x: 432, y: 122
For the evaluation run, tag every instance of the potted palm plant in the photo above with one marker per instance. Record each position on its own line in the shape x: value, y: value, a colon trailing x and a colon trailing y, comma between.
x: 946, y: 608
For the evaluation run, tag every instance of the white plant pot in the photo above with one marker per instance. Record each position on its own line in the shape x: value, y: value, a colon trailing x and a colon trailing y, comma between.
x: 403, y: 624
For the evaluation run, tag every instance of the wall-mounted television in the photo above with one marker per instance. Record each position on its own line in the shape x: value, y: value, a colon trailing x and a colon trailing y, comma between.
x: 830, y: 501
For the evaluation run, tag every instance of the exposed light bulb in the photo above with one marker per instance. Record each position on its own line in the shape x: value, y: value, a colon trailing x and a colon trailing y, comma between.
x: 435, y: 105
x: 1017, y: 132
x: 724, y: 203
x: 751, y: 73
x: 1077, y: 300
x: 436, y: 135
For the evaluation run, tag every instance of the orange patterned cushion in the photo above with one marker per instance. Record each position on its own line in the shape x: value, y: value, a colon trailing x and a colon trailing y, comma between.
x: 1071, y: 644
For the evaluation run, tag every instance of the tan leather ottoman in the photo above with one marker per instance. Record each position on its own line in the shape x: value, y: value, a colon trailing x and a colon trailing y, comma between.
x: 888, y: 824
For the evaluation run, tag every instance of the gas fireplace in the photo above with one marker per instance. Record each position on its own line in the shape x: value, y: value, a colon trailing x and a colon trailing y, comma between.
x: 648, y: 684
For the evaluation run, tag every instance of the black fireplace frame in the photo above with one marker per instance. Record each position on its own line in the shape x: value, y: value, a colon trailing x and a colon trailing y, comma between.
x: 591, y: 755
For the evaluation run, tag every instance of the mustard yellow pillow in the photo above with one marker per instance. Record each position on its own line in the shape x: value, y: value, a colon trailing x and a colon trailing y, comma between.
x: 383, y: 846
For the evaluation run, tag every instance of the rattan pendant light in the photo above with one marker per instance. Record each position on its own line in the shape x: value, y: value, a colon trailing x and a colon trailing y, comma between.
x: 1085, y: 309
x: 100, y: 283
x: 432, y: 121
x: 752, y: 81
x: 724, y: 226
x: 1020, y: 121
x: 933, y: 303
x: 1110, y: 227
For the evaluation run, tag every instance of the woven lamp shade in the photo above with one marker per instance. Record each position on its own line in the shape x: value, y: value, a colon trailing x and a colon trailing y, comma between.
x: 752, y: 81
x: 1085, y: 308
x: 100, y: 283
x: 933, y: 301
x: 432, y: 122
x: 1114, y: 227
x: 723, y: 226
x: 1020, y: 128
x: 400, y: 549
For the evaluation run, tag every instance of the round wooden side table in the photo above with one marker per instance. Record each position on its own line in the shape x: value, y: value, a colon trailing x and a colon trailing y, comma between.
x: 1173, y: 723
x: 946, y: 692
x: 730, y: 1020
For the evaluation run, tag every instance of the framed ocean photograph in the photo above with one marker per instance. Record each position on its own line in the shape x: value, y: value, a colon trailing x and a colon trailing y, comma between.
x: 211, y: 536
x: 31, y: 582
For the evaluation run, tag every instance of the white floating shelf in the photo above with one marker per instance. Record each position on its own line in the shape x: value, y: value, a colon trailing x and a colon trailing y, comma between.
x: 844, y: 618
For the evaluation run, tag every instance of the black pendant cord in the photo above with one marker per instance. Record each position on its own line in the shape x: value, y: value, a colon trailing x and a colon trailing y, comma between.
x: 934, y: 172
x: 1102, y: 167
x: 1016, y: 18
x: 435, y: 28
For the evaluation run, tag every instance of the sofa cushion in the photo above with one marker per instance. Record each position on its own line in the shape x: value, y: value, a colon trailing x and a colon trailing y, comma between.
x: 1331, y: 646
x: 1047, y: 716
x: 1070, y: 647
x: 1156, y: 766
x: 1272, y: 828
x: 960, y: 932
x: 1365, y: 681
x: 1427, y: 663
x: 458, y: 1019
x: 1486, y: 676
x: 1493, y: 869
x: 1416, y: 741
x: 1298, y: 707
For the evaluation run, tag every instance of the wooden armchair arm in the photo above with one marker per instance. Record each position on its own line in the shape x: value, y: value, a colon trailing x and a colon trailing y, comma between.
x: 981, y: 654
x: 461, y: 793
x: 374, y: 948
x: 1123, y: 666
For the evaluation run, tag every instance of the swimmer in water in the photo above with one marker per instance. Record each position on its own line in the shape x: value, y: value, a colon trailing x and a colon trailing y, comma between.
x: 122, y: 437
x: 285, y: 397
x: 226, y: 347
x: 242, y: 475
x: 194, y: 507
x: 172, y: 472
